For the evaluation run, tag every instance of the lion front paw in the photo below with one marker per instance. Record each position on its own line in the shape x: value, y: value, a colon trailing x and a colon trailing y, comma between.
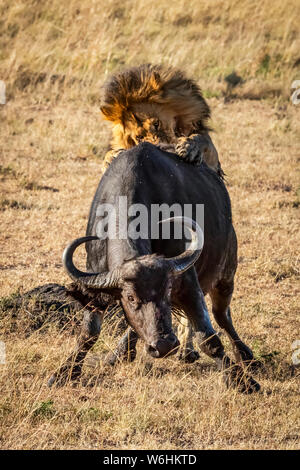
x: 188, y: 149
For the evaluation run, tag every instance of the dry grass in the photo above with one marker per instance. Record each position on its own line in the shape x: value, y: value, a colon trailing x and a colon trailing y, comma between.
x: 51, y: 148
x: 55, y: 46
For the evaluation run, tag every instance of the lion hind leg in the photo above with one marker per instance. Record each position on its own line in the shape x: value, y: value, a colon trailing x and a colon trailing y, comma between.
x: 187, y: 353
x: 109, y: 156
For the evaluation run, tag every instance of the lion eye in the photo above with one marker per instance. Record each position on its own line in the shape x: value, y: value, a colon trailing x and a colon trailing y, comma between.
x: 156, y: 124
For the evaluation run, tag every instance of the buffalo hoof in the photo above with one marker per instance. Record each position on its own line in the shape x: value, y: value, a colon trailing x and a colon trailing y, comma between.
x: 54, y: 380
x: 253, y: 366
x: 57, y: 380
x: 189, y: 356
x: 112, y: 358
x: 245, y: 355
x: 235, y: 377
x: 63, y: 376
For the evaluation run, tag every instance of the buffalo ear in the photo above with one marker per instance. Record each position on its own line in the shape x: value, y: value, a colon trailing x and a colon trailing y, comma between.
x: 113, y: 292
x: 91, y: 297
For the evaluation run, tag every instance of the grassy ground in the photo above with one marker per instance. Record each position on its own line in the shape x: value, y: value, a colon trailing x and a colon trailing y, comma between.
x: 54, y: 58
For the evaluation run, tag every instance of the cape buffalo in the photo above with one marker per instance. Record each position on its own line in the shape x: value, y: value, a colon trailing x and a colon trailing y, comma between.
x: 149, y: 275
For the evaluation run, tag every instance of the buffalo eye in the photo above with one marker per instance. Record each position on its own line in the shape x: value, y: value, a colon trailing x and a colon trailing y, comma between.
x: 130, y: 298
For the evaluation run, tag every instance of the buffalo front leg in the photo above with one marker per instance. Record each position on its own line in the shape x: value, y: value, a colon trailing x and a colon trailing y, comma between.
x: 126, y: 349
x: 71, y: 369
x: 194, y: 304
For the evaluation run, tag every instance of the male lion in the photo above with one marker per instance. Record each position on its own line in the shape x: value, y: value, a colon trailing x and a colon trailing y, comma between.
x: 159, y: 105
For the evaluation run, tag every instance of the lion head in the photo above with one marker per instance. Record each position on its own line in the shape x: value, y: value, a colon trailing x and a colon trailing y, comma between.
x: 155, y: 104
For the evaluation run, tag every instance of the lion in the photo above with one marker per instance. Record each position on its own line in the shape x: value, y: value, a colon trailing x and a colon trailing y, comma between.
x: 162, y: 106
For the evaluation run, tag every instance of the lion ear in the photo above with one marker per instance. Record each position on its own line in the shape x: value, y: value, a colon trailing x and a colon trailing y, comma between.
x: 106, y: 113
x: 112, y: 113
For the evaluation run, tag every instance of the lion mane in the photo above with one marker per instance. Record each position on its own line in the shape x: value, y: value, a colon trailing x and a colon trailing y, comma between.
x: 160, y: 105
x: 154, y: 84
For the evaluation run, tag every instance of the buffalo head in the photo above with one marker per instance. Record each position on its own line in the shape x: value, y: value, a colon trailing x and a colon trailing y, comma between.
x: 144, y: 285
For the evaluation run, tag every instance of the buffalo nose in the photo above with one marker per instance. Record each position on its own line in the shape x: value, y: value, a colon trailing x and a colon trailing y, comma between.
x: 164, y: 346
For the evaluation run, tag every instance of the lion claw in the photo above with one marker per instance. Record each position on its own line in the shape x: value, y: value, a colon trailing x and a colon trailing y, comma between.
x: 188, y: 149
